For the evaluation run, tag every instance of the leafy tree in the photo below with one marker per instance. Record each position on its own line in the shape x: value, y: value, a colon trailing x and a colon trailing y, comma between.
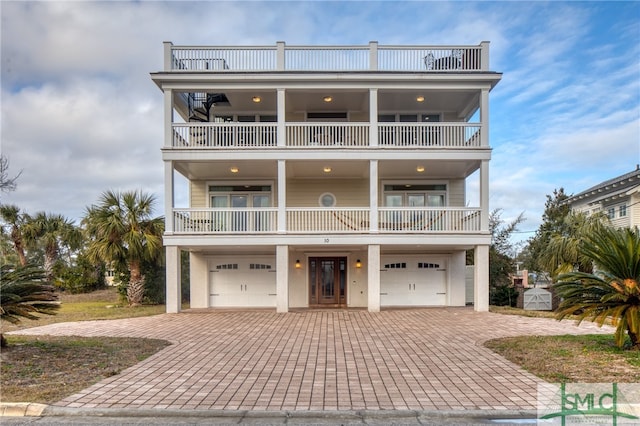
x: 24, y: 292
x: 82, y: 276
x: 613, y: 290
x: 553, y: 223
x: 52, y: 231
x: 501, y: 259
x: 122, y: 231
x: 15, y: 220
x: 7, y: 183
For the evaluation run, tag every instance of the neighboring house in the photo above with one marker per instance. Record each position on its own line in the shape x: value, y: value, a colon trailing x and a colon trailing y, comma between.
x: 618, y: 198
x: 327, y: 176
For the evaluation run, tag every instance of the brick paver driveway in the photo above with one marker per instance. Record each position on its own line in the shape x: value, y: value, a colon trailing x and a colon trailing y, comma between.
x: 410, y: 359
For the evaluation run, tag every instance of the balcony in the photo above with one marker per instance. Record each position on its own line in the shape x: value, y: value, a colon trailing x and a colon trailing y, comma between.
x: 372, y: 57
x: 326, y: 135
x: 326, y: 221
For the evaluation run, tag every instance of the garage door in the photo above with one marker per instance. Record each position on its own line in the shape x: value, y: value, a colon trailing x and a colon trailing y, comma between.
x: 237, y: 282
x: 413, y: 281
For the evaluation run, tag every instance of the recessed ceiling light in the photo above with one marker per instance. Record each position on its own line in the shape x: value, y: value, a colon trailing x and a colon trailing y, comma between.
x: 420, y: 169
x: 256, y: 99
x: 234, y: 169
x: 326, y: 169
x: 420, y: 99
x: 327, y: 99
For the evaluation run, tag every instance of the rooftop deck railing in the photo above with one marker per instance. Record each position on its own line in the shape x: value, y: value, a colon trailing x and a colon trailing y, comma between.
x: 325, y: 135
x: 372, y: 57
x: 346, y: 220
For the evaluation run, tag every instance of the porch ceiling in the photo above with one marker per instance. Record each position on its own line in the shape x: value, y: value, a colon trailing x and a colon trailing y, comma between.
x: 353, y: 100
x: 314, y: 169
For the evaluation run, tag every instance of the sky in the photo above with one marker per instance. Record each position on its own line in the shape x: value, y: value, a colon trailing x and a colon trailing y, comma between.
x: 80, y: 114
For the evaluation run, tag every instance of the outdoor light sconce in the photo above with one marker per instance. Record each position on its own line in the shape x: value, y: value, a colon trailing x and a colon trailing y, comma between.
x: 358, y: 264
x: 298, y: 264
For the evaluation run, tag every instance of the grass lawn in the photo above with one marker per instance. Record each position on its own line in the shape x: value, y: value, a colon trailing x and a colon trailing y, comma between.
x: 47, y: 369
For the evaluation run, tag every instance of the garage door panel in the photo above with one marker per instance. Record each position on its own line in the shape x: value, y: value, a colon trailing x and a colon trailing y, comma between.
x: 247, y: 282
x: 413, y: 281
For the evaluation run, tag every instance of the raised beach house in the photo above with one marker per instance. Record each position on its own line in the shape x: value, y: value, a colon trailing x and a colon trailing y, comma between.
x: 327, y: 176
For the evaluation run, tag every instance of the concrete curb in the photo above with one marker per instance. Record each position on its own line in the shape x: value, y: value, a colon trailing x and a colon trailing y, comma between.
x: 39, y: 410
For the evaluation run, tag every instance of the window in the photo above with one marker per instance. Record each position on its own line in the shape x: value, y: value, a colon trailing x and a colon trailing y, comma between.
x: 415, y: 195
x: 611, y: 212
x: 622, y: 210
x: 327, y: 200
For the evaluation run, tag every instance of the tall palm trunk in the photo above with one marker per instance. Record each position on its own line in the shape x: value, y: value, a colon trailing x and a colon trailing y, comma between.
x: 16, y: 238
x: 135, y: 290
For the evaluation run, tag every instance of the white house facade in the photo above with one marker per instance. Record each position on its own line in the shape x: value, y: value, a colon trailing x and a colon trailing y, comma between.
x: 327, y: 176
x: 618, y: 198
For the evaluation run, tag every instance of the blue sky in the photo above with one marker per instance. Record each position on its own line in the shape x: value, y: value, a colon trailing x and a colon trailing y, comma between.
x: 80, y: 114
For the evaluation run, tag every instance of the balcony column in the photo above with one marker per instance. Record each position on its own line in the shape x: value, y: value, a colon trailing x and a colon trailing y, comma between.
x: 484, y: 59
x: 169, y: 191
x: 484, y: 118
x: 282, y: 279
x: 168, y: 55
x: 373, y: 196
x: 168, y: 118
x: 484, y: 196
x: 481, y: 279
x: 373, y: 278
x: 282, y: 196
x: 282, y: 128
x: 280, y: 61
x: 373, y: 117
x: 373, y: 55
x: 174, y: 293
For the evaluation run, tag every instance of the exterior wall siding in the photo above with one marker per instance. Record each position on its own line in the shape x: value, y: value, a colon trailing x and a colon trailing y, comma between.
x: 198, y: 194
x: 348, y: 192
x: 457, y: 193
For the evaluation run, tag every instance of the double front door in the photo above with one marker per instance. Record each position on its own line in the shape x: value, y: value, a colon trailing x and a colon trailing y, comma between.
x: 327, y: 281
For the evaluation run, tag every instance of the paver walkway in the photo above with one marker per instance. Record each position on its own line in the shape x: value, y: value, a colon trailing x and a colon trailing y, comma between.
x: 409, y: 359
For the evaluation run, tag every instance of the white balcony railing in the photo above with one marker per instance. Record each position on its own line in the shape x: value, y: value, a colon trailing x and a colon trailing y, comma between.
x: 236, y: 221
x: 325, y: 135
x: 322, y: 220
x: 315, y: 135
x: 371, y: 57
x: 454, y: 135
x: 224, y: 135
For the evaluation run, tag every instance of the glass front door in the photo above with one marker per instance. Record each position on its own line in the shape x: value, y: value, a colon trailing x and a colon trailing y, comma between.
x: 327, y: 281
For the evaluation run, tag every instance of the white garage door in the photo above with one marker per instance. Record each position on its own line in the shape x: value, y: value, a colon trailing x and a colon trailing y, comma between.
x: 413, y: 281
x: 238, y: 282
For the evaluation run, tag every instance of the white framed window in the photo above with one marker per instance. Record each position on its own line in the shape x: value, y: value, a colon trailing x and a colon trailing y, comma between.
x: 412, y: 194
x: 240, y: 195
x: 611, y: 212
x: 327, y: 199
x: 622, y: 210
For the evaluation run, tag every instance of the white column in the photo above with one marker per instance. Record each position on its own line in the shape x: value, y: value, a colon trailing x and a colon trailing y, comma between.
x: 484, y: 118
x: 373, y: 117
x: 168, y: 118
x: 373, y: 278
x: 484, y: 196
x: 481, y: 279
x: 484, y: 60
x: 282, y: 196
x: 174, y: 295
x: 457, y: 279
x: 168, y: 197
x: 280, y: 60
x: 373, y: 55
x: 282, y: 279
x: 373, y: 195
x: 168, y: 55
x: 199, y: 280
x: 281, y: 135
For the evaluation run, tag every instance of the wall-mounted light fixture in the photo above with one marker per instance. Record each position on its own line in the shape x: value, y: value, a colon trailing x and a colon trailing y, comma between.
x: 358, y: 264
x: 298, y: 264
x: 234, y: 169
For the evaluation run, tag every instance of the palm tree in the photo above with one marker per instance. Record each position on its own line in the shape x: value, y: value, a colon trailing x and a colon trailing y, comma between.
x: 122, y: 232
x: 613, y: 290
x: 562, y: 253
x: 51, y: 231
x: 25, y: 292
x: 15, y: 220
